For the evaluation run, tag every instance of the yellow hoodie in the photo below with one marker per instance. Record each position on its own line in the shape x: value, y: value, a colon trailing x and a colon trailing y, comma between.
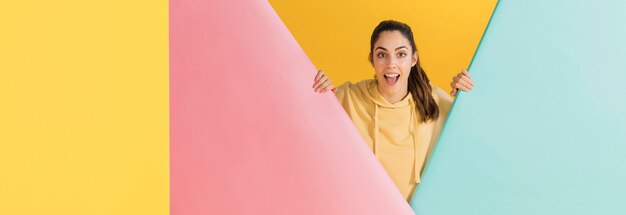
x: 394, y: 132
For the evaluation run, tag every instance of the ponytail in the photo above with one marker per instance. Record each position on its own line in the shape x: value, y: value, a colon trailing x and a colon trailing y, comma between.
x: 420, y: 89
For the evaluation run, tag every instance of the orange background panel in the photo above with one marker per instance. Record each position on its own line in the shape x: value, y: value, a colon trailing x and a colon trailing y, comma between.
x: 336, y: 34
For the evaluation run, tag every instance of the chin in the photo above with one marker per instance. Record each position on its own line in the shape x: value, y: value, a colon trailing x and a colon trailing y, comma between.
x: 391, y: 89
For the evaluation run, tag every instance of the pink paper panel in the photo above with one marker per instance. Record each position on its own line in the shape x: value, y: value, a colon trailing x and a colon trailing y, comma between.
x: 248, y: 134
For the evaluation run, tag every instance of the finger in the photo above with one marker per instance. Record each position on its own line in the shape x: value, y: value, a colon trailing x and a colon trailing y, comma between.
x: 454, y: 80
x: 459, y: 79
x: 453, y: 92
x: 327, y: 86
x: 461, y: 87
x: 320, y: 81
x: 464, y: 83
x: 453, y: 83
x: 320, y: 73
x: 468, y: 80
x: 320, y: 87
x: 465, y: 72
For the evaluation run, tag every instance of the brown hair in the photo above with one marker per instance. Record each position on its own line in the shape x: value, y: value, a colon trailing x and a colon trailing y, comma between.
x: 419, y: 85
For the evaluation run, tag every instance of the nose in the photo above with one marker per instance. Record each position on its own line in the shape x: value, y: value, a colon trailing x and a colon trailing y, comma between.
x: 391, y: 63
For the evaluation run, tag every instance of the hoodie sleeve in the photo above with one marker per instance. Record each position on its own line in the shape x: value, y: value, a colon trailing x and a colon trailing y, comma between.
x: 444, y: 101
x: 343, y: 94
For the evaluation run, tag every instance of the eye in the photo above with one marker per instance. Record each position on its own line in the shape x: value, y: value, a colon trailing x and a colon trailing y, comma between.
x: 402, y: 54
x: 381, y: 55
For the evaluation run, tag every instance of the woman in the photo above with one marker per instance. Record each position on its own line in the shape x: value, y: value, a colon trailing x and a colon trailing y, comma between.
x: 399, y: 113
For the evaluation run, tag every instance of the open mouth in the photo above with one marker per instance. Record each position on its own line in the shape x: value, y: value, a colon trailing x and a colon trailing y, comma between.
x: 392, y: 79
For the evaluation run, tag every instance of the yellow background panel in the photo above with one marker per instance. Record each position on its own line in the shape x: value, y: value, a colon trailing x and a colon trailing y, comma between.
x: 84, y: 107
x: 336, y: 34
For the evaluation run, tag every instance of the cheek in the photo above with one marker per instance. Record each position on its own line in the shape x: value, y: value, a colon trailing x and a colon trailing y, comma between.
x: 379, y: 66
x: 407, y: 61
x: 406, y: 65
x: 379, y: 61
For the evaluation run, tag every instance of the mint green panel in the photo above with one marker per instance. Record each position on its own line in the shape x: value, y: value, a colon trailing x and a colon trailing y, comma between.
x: 544, y: 130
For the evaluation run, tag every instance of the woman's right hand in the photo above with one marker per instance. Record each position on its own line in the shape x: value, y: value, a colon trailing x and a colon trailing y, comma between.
x: 322, y: 83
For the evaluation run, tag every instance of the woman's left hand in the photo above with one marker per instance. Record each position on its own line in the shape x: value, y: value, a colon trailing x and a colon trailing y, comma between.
x: 462, y: 81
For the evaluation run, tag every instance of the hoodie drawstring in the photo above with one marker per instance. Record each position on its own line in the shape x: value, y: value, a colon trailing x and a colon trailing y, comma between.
x: 412, y: 127
x: 416, y: 173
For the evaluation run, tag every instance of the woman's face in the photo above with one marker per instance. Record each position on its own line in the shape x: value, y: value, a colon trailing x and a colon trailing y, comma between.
x: 392, y: 59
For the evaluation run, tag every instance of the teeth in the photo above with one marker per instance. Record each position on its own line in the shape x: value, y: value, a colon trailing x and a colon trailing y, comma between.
x: 392, y: 75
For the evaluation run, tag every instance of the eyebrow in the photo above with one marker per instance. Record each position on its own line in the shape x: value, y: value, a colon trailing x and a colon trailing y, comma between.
x: 386, y: 49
